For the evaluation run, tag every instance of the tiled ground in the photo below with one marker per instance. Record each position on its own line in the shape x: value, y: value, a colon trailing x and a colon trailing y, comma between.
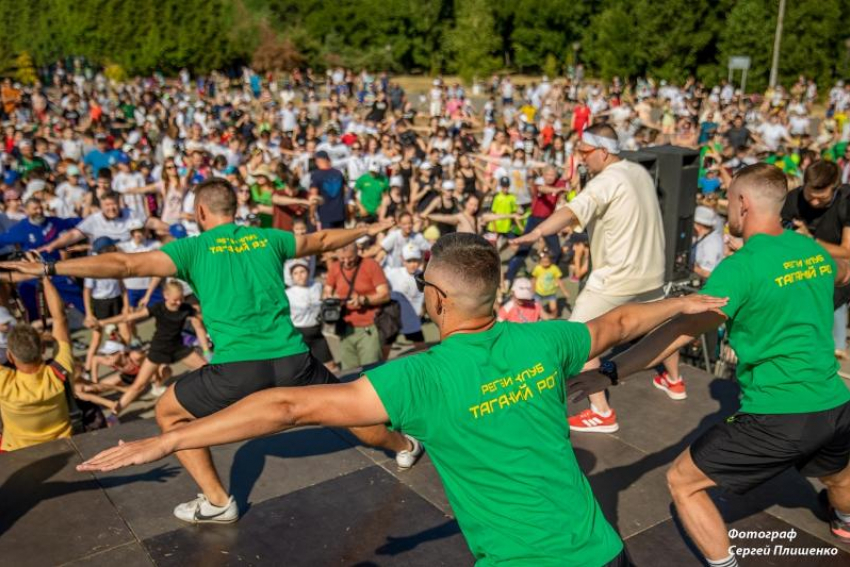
x: 312, y: 497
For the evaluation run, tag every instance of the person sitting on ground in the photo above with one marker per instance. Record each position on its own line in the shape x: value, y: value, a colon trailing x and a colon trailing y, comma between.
x: 32, y: 394
x: 167, y: 346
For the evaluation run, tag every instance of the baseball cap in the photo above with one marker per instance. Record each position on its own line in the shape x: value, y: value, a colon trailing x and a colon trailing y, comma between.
x: 448, y: 185
x: 522, y: 289
x: 25, y: 143
x: 101, y: 244
x: 425, y: 166
x: 411, y: 252
x: 396, y: 181
x: 299, y: 264
x: 505, y: 181
x: 705, y: 216
x: 374, y: 167
x: 177, y: 230
x: 112, y: 347
x: 73, y: 171
x: 322, y: 154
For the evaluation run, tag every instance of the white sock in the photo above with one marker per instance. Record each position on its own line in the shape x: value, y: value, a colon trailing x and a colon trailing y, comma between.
x: 598, y: 411
x: 730, y: 561
x: 842, y: 516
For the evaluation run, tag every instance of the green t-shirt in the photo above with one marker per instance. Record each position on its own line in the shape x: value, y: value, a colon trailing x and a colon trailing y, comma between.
x: 503, y: 204
x: 490, y: 409
x: 237, y: 274
x: 371, y: 190
x: 780, y: 314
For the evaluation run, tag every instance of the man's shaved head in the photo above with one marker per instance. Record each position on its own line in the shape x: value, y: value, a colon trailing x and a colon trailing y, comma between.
x: 764, y: 183
x: 217, y: 195
x: 468, y: 269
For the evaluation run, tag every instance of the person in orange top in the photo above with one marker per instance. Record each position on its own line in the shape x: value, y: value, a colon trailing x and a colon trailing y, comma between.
x: 32, y: 396
x: 10, y: 96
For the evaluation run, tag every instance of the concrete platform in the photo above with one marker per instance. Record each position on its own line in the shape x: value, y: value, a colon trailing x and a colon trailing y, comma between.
x: 312, y: 497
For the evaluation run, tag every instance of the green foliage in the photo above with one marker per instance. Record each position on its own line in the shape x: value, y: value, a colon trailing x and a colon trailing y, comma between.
x: 24, y: 69
x: 666, y: 39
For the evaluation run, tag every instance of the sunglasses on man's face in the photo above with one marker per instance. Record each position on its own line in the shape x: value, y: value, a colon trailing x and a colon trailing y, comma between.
x: 421, y: 284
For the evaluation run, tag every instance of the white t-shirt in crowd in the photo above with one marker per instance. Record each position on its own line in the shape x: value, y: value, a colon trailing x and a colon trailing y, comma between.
x: 71, y: 197
x: 305, y: 302
x: 619, y: 209
x: 131, y: 247
x: 772, y: 134
x: 410, y: 299
x: 96, y: 225
x: 394, y: 243
x: 709, y: 251
x: 103, y: 288
x: 130, y: 180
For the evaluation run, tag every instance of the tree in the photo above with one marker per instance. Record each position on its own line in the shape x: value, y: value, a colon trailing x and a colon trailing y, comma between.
x: 472, y: 42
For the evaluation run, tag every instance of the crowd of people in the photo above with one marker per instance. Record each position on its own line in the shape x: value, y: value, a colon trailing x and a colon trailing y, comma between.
x: 159, y: 198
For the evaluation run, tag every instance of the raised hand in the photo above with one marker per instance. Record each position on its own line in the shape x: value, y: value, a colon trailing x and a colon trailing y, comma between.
x: 381, y: 226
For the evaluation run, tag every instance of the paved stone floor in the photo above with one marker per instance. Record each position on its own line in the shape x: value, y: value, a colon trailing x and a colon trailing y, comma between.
x: 314, y: 497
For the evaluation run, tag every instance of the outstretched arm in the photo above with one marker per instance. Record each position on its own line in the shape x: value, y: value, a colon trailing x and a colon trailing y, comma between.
x: 57, y: 311
x: 633, y: 320
x: 111, y: 265
x: 270, y: 411
x: 559, y: 220
x: 332, y: 239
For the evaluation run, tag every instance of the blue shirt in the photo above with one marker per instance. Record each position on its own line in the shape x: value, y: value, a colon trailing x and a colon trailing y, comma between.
x: 330, y: 183
x: 31, y: 236
x: 97, y: 160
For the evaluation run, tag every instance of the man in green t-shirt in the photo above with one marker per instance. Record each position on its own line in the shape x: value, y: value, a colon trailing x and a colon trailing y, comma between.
x: 488, y: 402
x: 795, y: 409
x: 370, y: 189
x: 237, y: 274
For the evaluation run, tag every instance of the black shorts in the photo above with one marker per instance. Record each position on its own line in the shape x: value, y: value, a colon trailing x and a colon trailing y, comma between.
x: 215, y: 386
x: 416, y: 337
x: 106, y: 308
x: 317, y: 342
x: 748, y: 449
x: 128, y: 379
x: 169, y: 356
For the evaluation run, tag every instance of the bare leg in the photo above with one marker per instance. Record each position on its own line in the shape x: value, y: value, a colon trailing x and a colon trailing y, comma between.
x: 143, y: 378
x: 838, y: 489
x: 197, y: 462
x: 671, y: 365
x: 381, y: 437
x: 598, y: 399
x: 193, y: 361
x: 698, y: 513
x: 96, y: 336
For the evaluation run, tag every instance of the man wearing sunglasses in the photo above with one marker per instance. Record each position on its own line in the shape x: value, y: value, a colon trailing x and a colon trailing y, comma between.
x: 488, y: 402
x: 619, y: 210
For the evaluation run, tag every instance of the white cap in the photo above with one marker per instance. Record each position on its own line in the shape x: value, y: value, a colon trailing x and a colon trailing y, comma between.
x: 425, y: 166
x: 411, y: 252
x: 522, y: 289
x: 705, y: 216
x: 135, y: 224
x: 374, y: 167
x: 448, y: 185
x: 396, y: 181
x: 539, y: 181
x: 519, y: 145
x: 112, y: 347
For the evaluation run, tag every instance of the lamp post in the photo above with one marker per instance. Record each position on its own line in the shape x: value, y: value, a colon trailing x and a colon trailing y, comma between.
x: 774, y: 67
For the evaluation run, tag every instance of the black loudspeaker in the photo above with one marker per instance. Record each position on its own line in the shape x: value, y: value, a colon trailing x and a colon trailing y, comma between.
x: 675, y: 171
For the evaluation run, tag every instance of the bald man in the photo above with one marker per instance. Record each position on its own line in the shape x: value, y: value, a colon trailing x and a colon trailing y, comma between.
x: 795, y: 409
x: 488, y: 402
x: 237, y: 274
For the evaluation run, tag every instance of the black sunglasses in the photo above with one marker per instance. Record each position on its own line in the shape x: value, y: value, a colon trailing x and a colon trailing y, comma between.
x: 421, y: 284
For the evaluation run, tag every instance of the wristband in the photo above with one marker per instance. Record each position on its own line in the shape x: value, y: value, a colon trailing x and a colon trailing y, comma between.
x: 49, y: 269
x: 609, y: 369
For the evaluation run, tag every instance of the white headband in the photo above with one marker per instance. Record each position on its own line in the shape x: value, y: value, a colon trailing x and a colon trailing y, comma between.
x: 607, y: 144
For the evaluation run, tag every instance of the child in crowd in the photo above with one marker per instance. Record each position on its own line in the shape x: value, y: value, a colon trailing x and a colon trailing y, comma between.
x: 522, y: 307
x: 103, y: 298
x: 547, y: 281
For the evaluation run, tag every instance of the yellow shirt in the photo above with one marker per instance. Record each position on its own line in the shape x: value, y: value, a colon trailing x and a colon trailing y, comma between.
x: 546, y: 279
x: 33, y: 405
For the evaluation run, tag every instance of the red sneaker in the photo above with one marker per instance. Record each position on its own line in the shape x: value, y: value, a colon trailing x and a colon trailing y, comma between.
x: 592, y: 422
x: 676, y: 390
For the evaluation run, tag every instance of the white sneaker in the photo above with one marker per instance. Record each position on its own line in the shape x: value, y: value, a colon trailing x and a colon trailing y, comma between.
x: 200, y: 511
x: 406, y: 459
x: 157, y: 390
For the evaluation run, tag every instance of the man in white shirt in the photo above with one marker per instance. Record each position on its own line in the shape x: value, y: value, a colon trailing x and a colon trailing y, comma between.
x: 708, y: 248
x: 396, y: 240
x: 111, y: 221
x: 405, y: 290
x: 619, y: 210
x: 70, y: 194
x: 125, y: 181
x: 139, y: 290
x: 772, y: 133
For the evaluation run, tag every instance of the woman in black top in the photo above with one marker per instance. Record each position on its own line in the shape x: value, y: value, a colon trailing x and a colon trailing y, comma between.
x: 167, y: 346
